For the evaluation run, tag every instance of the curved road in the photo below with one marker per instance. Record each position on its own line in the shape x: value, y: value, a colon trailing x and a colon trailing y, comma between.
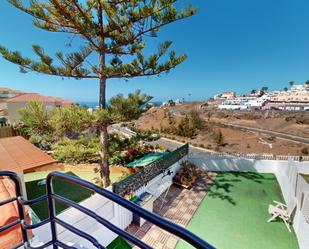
x: 173, y: 145
x: 290, y: 137
x: 268, y: 132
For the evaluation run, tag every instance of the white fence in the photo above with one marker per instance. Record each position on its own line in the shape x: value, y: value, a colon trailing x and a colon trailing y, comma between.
x: 287, y: 172
x: 114, y: 213
x: 256, y: 156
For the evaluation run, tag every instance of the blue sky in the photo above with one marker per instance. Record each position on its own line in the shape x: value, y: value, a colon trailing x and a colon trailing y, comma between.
x: 231, y: 45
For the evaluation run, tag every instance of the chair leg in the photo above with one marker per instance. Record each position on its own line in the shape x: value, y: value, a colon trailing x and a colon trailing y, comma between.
x: 287, y: 225
x: 273, y: 217
x: 164, y: 198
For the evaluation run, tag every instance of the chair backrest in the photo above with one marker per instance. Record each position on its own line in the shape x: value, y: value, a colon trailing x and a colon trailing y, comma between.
x: 305, y: 205
x: 291, y: 206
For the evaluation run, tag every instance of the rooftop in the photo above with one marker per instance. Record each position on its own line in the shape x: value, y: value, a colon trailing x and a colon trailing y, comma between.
x: 27, y: 97
x: 18, y: 154
x: 9, y: 91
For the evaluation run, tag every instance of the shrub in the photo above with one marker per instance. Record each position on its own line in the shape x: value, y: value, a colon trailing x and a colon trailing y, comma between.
x: 196, y: 120
x: 305, y: 151
x: 35, y: 116
x: 44, y: 142
x: 218, y: 138
x: 77, y: 151
x: 70, y: 121
x: 146, y: 135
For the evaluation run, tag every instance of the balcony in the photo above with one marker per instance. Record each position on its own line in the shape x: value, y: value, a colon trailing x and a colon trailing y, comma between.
x: 54, y: 221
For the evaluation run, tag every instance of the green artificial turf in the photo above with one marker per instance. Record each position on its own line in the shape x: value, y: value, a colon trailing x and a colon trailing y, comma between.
x: 86, y: 175
x: 119, y: 243
x: 306, y: 177
x: 61, y: 187
x: 233, y: 214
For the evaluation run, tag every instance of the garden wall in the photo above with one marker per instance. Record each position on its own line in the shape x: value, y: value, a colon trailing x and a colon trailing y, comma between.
x: 247, y: 165
x: 6, y: 131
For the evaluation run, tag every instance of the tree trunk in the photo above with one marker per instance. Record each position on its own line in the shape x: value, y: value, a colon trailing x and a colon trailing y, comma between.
x: 104, y: 167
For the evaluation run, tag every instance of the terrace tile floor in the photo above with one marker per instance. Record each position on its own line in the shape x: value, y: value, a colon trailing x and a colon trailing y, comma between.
x: 180, y: 206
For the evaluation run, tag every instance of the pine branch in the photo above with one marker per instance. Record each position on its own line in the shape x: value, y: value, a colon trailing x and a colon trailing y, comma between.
x: 140, y: 66
x: 72, y: 65
x: 126, y: 22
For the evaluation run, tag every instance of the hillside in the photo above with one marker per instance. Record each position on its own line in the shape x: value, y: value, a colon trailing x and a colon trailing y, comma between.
x: 234, y: 139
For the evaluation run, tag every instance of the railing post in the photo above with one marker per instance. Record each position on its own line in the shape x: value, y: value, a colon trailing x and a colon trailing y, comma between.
x: 18, y: 191
x: 51, y: 211
x: 21, y: 212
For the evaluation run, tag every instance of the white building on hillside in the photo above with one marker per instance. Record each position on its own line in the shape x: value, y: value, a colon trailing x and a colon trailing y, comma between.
x: 225, y: 95
x: 244, y: 102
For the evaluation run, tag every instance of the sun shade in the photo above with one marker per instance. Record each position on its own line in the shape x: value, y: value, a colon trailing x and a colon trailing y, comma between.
x: 146, y: 160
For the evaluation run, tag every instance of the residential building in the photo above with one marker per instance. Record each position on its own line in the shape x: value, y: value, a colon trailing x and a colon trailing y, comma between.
x: 20, y: 101
x: 295, y: 99
x: 5, y: 94
x: 225, y: 95
x: 243, y: 103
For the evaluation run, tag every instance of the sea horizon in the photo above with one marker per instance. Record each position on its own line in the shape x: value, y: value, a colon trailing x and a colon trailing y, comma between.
x: 94, y: 104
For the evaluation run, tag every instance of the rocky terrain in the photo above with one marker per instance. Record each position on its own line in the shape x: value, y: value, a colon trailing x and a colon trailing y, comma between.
x: 295, y: 123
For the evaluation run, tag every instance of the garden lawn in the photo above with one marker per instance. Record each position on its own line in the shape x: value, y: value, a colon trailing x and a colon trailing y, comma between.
x: 234, y: 213
x: 306, y: 177
x: 119, y: 243
x: 73, y: 192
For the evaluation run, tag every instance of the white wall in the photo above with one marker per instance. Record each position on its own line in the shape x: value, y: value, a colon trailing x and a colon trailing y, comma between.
x: 13, y: 108
x: 247, y: 165
x: 13, y: 114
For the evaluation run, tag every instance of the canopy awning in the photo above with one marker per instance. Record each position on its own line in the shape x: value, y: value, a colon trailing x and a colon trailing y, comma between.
x: 146, y: 160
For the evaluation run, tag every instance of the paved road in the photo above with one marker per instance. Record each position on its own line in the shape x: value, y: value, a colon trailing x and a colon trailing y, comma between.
x: 271, y: 133
x: 172, y: 145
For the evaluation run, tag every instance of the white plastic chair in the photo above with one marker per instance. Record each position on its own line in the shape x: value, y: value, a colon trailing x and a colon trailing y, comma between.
x: 158, y: 188
x: 282, y: 211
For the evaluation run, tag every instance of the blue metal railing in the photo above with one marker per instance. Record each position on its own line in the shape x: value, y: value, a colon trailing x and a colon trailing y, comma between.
x: 53, y: 219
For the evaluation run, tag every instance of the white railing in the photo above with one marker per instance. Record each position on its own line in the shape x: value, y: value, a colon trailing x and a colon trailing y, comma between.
x: 257, y: 156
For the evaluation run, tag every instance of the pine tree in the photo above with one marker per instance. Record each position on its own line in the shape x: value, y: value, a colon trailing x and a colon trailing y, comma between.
x: 115, y: 31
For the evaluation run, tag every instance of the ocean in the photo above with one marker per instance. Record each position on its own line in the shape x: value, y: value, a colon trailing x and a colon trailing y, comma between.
x: 95, y: 104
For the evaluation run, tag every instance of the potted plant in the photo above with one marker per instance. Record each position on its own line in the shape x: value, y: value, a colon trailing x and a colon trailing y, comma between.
x: 187, y: 175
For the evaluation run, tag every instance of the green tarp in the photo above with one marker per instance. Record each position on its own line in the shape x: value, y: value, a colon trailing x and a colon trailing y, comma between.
x: 146, y: 160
